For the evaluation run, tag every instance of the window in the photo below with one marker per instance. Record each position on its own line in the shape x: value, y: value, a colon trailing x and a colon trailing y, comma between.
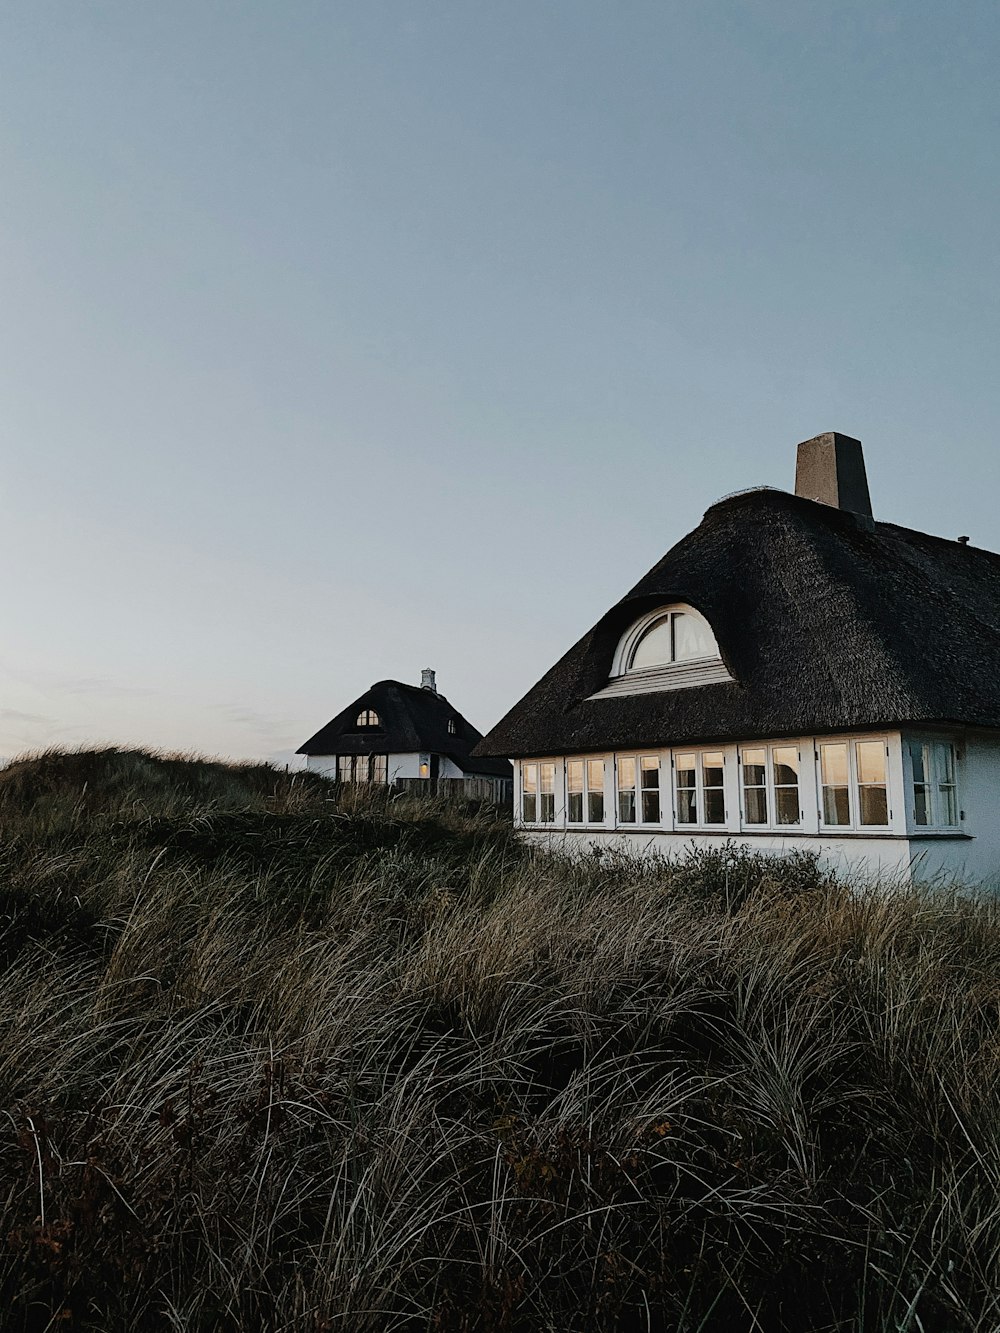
x: 585, y: 791
x: 452, y: 727
x: 649, y: 780
x: 699, y: 784
x: 935, y: 792
x: 770, y: 785
x: 755, y: 787
x: 538, y: 793
x: 546, y: 793
x: 368, y: 718
x: 627, y: 769
x: 673, y: 636
x: 638, y: 789
x: 853, y: 784
x: 873, y: 800
x: 362, y: 767
x: 833, y: 765
x: 529, y: 793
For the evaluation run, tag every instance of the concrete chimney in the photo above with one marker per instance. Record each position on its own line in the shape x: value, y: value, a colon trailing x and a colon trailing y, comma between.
x: 831, y: 468
x: 427, y: 681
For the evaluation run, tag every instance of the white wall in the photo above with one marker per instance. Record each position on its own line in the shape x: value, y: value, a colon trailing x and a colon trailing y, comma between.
x: 973, y: 859
x: 884, y: 853
x: 399, y: 766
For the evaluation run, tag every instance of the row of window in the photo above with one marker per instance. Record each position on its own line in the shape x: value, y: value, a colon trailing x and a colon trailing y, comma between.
x: 851, y: 775
x: 362, y: 767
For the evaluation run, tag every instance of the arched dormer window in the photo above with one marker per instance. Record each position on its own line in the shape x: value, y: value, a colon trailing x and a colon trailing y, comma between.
x: 670, y: 648
x: 369, y: 718
x: 452, y: 727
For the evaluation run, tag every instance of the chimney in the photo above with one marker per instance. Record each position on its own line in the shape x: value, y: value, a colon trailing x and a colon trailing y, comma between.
x: 831, y: 468
x: 427, y: 680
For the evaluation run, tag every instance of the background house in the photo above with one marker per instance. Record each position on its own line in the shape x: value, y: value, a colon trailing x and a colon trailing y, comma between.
x: 792, y: 674
x: 407, y: 735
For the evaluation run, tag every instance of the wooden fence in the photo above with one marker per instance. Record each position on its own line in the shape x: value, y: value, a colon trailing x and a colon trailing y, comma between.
x: 490, y: 791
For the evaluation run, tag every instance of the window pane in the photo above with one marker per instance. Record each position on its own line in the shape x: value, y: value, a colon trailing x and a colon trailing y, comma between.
x: 687, y: 809
x: 918, y: 761
x: 684, y: 780
x: 715, y: 805
x: 595, y: 807
x: 874, y: 806
x: 833, y: 762
x: 711, y: 769
x: 574, y: 807
x: 786, y: 765
x: 786, y: 800
x: 595, y: 774
x: 944, y: 756
x: 529, y: 790
x: 380, y: 766
x: 626, y: 790
x: 836, y: 806
x: 921, y: 813
x: 546, y: 790
x: 574, y: 775
x: 344, y: 768
x: 653, y: 649
x: 650, y: 776
x: 947, y: 805
x: 755, y: 805
x: 871, y: 761
x: 692, y: 638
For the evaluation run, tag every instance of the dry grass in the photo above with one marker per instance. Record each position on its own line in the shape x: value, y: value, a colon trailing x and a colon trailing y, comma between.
x: 275, y: 1061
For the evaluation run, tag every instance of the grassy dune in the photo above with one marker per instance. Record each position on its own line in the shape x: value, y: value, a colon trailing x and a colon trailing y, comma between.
x: 272, y: 1059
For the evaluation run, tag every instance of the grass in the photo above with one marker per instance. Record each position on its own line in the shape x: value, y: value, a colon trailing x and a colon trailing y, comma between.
x: 277, y: 1059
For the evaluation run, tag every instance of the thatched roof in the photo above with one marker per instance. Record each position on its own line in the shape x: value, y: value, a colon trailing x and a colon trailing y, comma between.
x: 826, y: 621
x: 412, y: 720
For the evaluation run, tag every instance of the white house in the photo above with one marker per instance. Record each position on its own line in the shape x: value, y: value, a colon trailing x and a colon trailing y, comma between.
x: 792, y: 674
x: 405, y: 733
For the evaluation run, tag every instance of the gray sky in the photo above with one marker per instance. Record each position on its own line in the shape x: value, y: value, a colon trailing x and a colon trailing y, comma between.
x: 343, y: 339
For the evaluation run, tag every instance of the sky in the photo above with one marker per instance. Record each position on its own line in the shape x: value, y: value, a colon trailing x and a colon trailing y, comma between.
x: 345, y: 339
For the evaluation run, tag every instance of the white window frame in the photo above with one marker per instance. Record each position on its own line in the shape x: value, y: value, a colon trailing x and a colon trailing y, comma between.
x: 853, y: 786
x: 932, y: 783
x: 699, y: 777
x: 771, y: 824
x: 538, y: 765
x: 639, y: 822
x: 372, y: 764
x: 586, y: 761
x: 622, y: 665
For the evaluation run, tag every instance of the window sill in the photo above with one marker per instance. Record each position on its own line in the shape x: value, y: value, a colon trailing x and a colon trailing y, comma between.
x: 941, y: 835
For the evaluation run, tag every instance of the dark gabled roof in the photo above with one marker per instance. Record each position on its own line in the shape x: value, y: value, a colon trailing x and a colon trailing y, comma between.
x: 826, y: 622
x: 413, y: 719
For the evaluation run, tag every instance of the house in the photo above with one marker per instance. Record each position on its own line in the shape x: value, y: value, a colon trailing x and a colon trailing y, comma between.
x: 407, y: 735
x: 792, y: 674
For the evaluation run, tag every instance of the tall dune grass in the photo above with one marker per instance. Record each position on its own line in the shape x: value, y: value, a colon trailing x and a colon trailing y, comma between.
x: 277, y: 1059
